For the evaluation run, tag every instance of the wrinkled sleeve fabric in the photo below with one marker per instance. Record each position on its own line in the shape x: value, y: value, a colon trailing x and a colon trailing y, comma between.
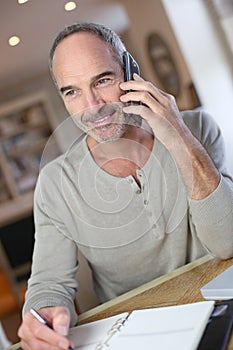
x: 52, y: 281
x: 212, y: 217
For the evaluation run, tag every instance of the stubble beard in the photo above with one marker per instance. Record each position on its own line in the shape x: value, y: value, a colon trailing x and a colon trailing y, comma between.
x: 109, y: 132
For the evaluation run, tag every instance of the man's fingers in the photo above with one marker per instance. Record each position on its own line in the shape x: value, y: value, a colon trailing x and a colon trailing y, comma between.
x: 61, y: 321
x: 35, y: 335
x: 58, y: 317
x: 40, y: 345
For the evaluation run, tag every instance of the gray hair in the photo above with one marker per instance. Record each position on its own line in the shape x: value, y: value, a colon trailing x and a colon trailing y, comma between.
x: 105, y: 33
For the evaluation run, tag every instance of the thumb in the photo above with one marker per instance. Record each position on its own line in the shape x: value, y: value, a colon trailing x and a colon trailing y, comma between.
x: 61, y: 320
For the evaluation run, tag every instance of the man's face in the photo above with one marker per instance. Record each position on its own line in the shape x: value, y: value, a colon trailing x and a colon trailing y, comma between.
x: 88, y: 78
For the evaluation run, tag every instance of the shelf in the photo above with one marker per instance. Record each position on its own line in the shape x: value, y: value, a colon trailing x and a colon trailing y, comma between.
x: 22, y: 129
x: 26, y: 125
x: 27, y: 149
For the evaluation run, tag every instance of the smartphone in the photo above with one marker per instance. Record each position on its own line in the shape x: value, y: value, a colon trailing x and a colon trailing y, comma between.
x: 131, y: 67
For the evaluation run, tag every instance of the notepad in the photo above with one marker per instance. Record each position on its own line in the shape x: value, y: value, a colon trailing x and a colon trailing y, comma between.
x: 221, y: 287
x: 173, y: 327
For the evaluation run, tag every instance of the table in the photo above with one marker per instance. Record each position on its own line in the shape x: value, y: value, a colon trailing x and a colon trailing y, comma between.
x: 180, y: 286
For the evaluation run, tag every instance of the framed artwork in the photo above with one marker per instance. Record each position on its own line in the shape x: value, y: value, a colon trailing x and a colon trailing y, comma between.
x: 163, y: 64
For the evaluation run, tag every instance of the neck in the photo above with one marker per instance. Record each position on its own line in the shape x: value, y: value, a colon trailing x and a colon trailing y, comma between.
x: 124, y: 156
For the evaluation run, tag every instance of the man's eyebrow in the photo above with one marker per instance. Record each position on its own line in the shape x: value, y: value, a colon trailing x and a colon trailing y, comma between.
x: 101, y: 75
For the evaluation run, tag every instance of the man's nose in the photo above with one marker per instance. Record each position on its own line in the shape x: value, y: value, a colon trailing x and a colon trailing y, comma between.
x: 93, y: 98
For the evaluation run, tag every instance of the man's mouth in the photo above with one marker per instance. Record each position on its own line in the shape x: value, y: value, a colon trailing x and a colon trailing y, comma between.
x: 105, y: 115
x: 102, y: 121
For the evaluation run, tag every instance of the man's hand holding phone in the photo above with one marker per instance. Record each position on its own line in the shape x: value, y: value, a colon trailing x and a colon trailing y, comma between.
x: 158, y: 108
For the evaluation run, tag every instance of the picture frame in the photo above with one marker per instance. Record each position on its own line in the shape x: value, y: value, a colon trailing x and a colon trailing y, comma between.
x: 163, y: 63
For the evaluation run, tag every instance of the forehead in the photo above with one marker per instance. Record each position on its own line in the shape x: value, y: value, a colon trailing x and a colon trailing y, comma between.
x: 81, y: 53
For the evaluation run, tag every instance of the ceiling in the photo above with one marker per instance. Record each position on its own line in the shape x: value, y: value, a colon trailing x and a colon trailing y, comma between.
x: 37, y: 22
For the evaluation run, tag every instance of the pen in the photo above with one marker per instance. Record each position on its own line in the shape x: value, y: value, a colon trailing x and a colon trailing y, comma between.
x: 43, y: 321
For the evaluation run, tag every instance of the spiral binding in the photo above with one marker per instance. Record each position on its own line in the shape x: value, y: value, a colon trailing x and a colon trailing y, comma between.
x: 115, y: 328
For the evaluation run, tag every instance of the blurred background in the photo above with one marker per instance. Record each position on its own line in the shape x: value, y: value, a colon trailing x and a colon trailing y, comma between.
x: 183, y: 46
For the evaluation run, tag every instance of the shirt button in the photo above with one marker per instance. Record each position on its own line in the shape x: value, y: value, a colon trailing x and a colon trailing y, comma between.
x: 153, y: 226
x: 130, y: 181
x: 138, y: 192
x: 146, y: 202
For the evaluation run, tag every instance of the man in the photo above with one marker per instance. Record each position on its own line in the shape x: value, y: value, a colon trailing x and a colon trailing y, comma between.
x: 137, y: 201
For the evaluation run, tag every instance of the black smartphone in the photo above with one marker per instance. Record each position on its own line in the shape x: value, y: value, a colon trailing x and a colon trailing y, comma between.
x: 131, y: 67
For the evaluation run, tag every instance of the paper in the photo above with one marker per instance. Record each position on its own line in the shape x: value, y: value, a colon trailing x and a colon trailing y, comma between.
x: 175, y: 327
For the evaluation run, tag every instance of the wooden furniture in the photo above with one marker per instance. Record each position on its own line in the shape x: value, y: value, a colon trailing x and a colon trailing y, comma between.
x: 8, y: 302
x: 26, y: 125
x: 178, y: 287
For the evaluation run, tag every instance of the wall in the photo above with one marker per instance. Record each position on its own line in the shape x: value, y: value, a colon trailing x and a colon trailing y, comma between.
x: 207, y: 61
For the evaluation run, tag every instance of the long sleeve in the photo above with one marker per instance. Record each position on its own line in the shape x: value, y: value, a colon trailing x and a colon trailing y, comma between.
x: 212, y: 217
x: 52, y: 282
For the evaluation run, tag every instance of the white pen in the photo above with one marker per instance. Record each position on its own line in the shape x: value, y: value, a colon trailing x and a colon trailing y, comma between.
x: 40, y: 318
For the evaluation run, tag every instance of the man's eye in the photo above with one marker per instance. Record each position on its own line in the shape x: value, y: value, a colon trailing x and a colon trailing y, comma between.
x: 70, y: 92
x: 104, y: 82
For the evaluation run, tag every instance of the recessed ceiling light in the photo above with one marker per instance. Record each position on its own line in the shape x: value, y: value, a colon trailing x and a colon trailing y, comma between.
x: 70, y: 6
x: 22, y: 1
x: 14, y: 40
